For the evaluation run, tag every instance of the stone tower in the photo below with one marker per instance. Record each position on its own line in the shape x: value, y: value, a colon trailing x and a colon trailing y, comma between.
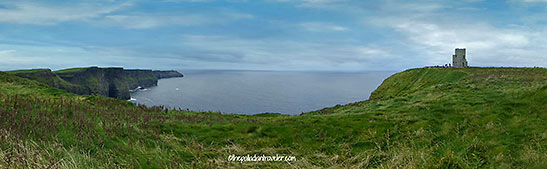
x: 458, y: 60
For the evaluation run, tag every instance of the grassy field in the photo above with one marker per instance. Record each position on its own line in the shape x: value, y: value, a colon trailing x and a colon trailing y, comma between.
x: 419, y: 118
x: 71, y: 70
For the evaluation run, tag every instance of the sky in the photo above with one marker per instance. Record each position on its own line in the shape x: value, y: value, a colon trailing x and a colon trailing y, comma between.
x: 284, y: 35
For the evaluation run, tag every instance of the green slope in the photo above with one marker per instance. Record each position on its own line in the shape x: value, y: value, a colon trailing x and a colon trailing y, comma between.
x: 46, y: 76
x: 432, y: 118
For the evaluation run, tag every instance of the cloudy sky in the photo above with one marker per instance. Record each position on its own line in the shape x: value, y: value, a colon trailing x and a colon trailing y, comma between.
x: 326, y: 35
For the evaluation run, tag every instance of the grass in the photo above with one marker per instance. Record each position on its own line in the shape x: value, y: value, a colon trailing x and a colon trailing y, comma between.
x: 47, y: 77
x: 420, y: 118
x: 26, y: 71
x: 71, y: 70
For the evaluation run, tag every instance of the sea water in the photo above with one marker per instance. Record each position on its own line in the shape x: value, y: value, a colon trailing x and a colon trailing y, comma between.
x: 253, y: 92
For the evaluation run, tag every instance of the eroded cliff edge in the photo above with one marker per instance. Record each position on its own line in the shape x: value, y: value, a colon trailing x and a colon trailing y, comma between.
x: 110, y: 82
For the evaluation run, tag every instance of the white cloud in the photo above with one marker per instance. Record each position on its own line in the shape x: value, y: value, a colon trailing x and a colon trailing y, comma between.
x: 30, y: 56
x: 43, y: 14
x: 412, y: 6
x: 204, y: 0
x: 105, y: 13
x: 323, y: 4
x: 473, y: 35
x: 410, y: 34
x: 487, y: 45
x: 285, y: 54
x: 58, y: 56
x: 7, y: 52
x: 147, y: 21
x: 430, y: 30
x: 321, y: 26
x: 531, y: 1
x: 187, y: 0
x: 322, y: 1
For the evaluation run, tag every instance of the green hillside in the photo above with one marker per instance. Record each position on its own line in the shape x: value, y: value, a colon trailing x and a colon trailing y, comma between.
x: 419, y: 118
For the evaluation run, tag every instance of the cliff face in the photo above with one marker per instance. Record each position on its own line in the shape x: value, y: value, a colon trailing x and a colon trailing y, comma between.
x: 103, y: 81
x: 167, y: 74
x: 142, y: 78
x: 111, y: 82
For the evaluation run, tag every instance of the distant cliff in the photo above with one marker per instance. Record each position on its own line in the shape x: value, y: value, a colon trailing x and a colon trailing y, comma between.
x: 111, y: 82
x: 167, y: 74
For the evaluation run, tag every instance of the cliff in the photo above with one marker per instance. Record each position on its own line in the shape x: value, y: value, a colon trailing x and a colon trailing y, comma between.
x: 46, y: 76
x: 141, y: 78
x: 166, y: 74
x: 110, y: 82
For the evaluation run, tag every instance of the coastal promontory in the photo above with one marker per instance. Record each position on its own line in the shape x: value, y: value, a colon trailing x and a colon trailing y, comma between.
x: 111, y: 82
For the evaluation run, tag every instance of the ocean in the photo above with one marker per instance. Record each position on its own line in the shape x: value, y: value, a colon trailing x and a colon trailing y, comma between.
x: 253, y: 92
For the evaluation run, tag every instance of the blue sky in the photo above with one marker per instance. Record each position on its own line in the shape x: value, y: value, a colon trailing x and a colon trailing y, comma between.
x: 323, y: 35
